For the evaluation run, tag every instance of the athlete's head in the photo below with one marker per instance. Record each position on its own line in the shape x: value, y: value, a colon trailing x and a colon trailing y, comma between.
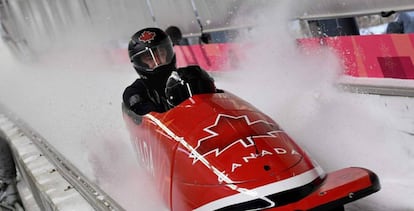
x: 151, y: 51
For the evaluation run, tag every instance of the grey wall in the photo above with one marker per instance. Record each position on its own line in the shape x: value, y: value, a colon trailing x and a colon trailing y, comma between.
x: 35, y: 23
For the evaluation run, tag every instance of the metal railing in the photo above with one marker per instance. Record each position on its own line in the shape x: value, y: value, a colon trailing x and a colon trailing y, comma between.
x: 96, y: 197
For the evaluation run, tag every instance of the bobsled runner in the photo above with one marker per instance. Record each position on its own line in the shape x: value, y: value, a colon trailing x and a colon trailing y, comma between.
x: 218, y: 152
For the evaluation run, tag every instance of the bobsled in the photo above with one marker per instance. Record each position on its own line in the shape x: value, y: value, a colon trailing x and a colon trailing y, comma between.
x: 215, y: 151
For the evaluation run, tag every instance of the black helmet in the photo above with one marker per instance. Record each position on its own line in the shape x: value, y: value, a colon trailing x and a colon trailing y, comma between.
x: 151, y: 51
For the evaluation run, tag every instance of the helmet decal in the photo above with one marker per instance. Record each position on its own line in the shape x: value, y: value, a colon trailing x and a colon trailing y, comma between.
x: 147, y: 36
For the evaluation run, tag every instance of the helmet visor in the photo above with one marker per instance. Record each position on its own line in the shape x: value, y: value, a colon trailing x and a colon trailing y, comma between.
x: 155, y: 56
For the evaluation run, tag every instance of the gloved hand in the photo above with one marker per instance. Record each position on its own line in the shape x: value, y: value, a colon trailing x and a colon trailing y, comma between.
x: 199, y: 80
x: 136, y: 98
x: 186, y: 82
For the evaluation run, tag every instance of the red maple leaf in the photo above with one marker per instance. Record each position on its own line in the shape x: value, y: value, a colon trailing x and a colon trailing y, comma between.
x: 147, y: 36
x: 228, y: 131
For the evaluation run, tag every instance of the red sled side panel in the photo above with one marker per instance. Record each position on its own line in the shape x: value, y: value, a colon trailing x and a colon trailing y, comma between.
x: 154, y: 151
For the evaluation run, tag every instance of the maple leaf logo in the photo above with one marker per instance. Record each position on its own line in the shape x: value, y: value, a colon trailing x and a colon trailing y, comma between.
x: 229, y: 130
x: 147, y: 36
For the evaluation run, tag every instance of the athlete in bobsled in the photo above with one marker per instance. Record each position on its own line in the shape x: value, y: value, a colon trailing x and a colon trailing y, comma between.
x: 161, y: 85
x: 216, y: 151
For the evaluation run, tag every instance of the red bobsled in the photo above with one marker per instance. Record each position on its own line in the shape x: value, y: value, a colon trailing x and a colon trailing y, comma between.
x: 218, y: 152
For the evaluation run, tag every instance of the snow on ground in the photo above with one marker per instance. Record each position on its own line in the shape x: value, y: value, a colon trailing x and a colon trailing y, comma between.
x: 76, y: 106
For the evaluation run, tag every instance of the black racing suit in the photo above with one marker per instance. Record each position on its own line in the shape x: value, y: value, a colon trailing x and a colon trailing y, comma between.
x: 144, y: 96
x: 148, y: 94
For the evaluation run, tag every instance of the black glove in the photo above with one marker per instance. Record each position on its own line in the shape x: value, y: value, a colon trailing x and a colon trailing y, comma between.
x: 186, y: 82
x: 136, y: 98
x: 198, y: 79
